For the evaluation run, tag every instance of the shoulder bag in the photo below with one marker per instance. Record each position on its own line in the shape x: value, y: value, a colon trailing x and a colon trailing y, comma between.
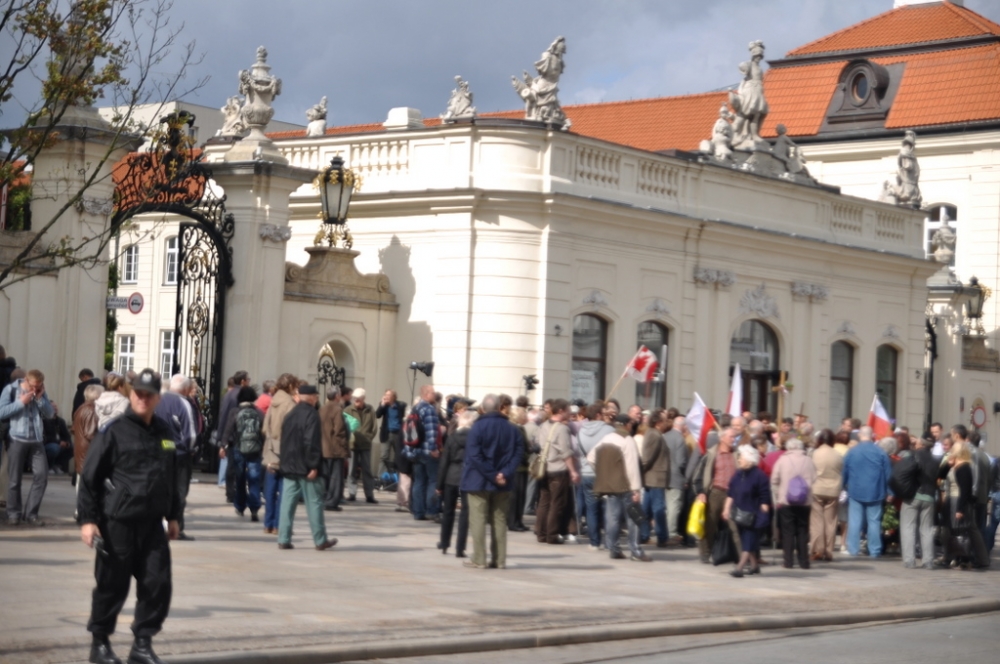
x: 539, y: 464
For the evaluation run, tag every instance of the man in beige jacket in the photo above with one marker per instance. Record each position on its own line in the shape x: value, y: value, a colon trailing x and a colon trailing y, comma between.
x: 618, y: 478
x: 281, y: 404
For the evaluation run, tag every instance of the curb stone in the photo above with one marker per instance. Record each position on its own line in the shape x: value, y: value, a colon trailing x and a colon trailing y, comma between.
x: 590, y: 634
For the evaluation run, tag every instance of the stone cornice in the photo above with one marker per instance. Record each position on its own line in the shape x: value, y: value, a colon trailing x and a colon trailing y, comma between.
x: 331, y: 276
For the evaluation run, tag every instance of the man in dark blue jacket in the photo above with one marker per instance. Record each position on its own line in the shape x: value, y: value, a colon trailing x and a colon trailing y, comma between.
x: 492, y: 453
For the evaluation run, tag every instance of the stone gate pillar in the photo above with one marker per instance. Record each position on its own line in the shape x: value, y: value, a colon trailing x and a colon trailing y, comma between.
x: 65, y: 312
x: 257, y: 195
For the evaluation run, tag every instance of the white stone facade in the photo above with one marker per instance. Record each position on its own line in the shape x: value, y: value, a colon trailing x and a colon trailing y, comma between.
x: 959, y: 170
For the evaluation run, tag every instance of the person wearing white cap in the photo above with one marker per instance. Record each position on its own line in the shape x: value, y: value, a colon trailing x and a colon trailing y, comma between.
x: 361, y: 457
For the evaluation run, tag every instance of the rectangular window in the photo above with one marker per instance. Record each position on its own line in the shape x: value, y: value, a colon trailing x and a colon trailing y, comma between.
x: 170, y: 264
x: 126, y: 353
x: 166, y: 353
x: 130, y: 265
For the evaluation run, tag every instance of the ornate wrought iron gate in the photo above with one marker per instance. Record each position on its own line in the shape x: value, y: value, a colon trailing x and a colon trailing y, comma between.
x: 171, y: 179
x: 204, y: 273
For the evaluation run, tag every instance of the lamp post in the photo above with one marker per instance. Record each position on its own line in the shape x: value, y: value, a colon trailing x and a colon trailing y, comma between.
x: 336, y: 185
x: 974, y: 305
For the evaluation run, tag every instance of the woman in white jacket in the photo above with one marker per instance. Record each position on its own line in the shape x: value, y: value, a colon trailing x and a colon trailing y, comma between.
x: 113, y: 402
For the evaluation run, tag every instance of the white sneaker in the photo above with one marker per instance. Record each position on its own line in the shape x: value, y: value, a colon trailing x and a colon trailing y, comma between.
x: 593, y: 548
x: 571, y: 539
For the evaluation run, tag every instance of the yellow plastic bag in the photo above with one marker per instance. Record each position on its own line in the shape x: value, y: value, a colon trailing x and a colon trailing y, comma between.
x: 696, y: 520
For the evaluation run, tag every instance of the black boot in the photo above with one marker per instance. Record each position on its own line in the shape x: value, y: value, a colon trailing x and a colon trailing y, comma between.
x: 142, y: 652
x: 101, y: 652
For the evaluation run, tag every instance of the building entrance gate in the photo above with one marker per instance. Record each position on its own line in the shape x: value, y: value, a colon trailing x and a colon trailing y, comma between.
x: 171, y: 179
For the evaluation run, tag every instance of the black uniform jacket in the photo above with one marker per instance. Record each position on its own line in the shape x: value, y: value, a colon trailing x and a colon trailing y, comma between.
x: 129, y: 473
x: 301, y: 441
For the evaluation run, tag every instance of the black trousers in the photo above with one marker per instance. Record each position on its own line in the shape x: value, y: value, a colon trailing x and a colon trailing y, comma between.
x: 139, y: 550
x: 183, y: 476
x: 518, y: 497
x: 333, y: 475
x: 449, y: 498
x: 795, y: 533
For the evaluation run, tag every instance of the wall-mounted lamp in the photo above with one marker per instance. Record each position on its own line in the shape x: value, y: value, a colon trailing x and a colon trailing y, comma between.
x: 558, y: 330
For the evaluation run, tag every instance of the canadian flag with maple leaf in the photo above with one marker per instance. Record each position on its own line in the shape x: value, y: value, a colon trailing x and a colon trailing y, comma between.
x: 643, y: 366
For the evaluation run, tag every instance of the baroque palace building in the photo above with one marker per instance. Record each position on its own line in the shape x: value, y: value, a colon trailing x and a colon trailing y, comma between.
x: 498, y: 247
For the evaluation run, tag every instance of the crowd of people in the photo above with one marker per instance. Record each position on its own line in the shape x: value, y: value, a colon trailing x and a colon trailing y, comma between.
x: 586, y: 472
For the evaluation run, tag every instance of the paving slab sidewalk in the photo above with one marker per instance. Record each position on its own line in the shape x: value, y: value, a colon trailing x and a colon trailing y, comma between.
x: 386, y: 581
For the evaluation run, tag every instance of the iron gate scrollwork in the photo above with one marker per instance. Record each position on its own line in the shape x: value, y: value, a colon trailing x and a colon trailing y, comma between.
x: 171, y: 178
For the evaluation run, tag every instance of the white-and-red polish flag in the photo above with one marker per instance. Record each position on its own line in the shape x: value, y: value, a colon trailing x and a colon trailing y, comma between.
x: 878, y: 420
x: 643, y: 366
x: 700, y: 421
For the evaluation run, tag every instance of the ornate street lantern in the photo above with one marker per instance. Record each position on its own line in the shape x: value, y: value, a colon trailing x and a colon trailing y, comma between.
x: 328, y: 373
x: 336, y: 185
x: 977, y: 294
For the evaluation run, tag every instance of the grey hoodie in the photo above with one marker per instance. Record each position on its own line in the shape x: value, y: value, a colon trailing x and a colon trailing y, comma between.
x: 591, y: 433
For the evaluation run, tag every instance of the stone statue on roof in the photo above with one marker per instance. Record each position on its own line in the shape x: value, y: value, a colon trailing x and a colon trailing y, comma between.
x: 748, y: 101
x: 540, y: 94
x: 943, y: 243
x: 460, y: 104
x: 905, y: 190
x: 788, y: 152
x: 232, y: 113
x: 721, y: 144
x: 317, y: 119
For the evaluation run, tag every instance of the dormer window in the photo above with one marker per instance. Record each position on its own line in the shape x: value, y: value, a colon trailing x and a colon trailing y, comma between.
x: 864, y: 94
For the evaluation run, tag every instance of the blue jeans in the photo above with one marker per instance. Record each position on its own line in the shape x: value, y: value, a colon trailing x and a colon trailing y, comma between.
x: 616, y: 503
x: 592, y: 506
x: 272, y: 499
x: 654, y: 504
x: 247, y: 480
x: 423, y: 499
x: 991, y: 529
x: 857, y: 514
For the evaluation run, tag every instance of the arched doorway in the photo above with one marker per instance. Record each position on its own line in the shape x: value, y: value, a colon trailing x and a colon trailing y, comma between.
x: 754, y: 347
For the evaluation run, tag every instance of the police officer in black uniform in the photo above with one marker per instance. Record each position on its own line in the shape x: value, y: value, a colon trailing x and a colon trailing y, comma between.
x: 127, y: 489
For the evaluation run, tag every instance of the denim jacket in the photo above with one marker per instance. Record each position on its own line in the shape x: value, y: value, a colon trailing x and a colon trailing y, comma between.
x: 25, y: 421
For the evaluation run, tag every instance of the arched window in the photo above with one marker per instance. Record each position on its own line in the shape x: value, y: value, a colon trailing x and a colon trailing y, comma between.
x: 653, y: 394
x: 937, y: 215
x: 590, y: 355
x: 841, y: 382
x: 170, y: 261
x: 754, y: 347
x: 886, y: 365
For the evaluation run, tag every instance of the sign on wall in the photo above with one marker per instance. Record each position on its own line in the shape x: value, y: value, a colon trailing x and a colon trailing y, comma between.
x: 135, y: 302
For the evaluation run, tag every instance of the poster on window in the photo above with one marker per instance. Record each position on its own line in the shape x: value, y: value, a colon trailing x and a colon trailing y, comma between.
x: 584, y: 385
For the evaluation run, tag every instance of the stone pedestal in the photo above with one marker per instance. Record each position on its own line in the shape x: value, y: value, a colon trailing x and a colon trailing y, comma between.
x: 64, y: 320
x: 257, y: 195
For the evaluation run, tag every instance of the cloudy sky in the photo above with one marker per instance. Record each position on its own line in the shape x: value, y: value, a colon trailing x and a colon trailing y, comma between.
x: 368, y: 56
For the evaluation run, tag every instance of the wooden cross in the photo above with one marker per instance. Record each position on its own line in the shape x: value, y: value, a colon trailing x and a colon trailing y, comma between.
x: 781, y: 391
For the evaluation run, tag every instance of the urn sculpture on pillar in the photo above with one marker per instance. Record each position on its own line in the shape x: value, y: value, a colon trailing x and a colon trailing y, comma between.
x: 260, y: 88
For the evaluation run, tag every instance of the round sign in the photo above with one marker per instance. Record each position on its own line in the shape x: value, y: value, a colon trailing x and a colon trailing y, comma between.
x: 979, y: 417
x: 135, y: 302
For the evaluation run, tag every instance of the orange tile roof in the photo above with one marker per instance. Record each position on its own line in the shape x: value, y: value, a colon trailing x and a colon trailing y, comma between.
x: 650, y: 124
x: 944, y: 87
x: 910, y: 24
x: 799, y: 96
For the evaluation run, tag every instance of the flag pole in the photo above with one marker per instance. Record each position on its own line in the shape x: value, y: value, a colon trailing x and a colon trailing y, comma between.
x: 617, y: 385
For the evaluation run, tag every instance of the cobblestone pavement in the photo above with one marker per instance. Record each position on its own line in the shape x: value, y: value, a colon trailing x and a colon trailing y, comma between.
x: 233, y: 588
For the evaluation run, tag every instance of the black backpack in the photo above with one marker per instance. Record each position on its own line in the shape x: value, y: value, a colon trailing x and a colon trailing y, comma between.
x: 248, y: 435
x: 905, y: 479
